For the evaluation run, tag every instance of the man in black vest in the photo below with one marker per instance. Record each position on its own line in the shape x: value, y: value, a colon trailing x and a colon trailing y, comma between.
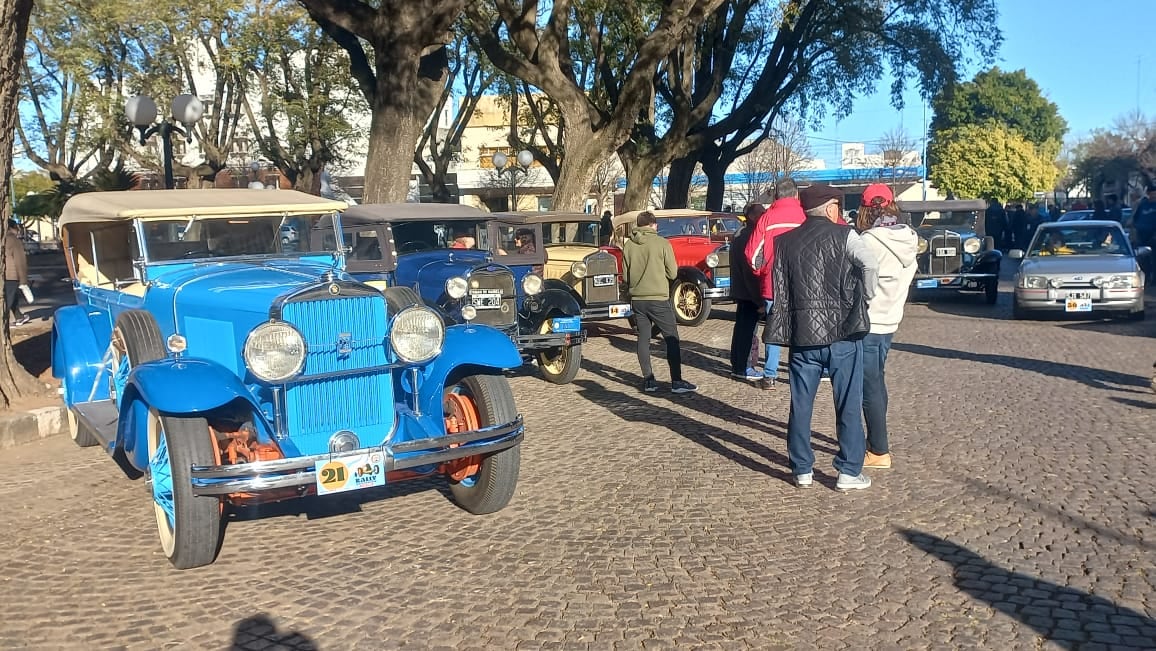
x: 824, y: 275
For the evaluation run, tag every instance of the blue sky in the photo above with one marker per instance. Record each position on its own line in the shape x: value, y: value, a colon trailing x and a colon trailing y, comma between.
x: 1083, y: 54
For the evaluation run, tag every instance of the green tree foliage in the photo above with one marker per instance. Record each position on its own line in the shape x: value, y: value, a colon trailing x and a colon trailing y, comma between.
x: 991, y: 160
x: 1011, y: 99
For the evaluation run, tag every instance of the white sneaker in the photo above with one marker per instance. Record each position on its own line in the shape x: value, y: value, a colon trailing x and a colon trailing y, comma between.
x: 805, y: 480
x: 852, y: 483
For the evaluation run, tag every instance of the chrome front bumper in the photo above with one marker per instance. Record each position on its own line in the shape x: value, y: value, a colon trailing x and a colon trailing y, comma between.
x: 300, y: 471
x: 716, y: 292
x: 1103, y: 300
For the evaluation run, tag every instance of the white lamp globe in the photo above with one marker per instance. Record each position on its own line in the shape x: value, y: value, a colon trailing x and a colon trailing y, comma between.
x: 140, y: 110
x: 255, y: 166
x: 525, y: 158
x: 256, y: 185
x: 499, y: 159
x: 187, y: 109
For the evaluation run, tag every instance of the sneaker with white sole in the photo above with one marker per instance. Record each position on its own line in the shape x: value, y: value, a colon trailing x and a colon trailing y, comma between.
x: 805, y: 480
x: 23, y: 320
x: 852, y: 482
x: 650, y: 385
x: 682, y: 386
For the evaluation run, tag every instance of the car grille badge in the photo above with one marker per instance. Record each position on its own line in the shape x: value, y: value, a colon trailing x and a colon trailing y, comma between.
x: 344, y: 344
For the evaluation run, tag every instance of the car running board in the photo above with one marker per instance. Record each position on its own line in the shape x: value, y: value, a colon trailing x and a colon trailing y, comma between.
x: 100, y: 417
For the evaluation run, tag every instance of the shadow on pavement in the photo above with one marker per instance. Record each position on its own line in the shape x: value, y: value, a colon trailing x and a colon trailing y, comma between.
x: 316, y: 508
x: 1066, y: 616
x: 1093, y: 377
x: 1075, y: 521
x: 259, y: 633
x: 712, y: 438
x: 1116, y: 327
x: 34, y: 353
x: 1139, y: 404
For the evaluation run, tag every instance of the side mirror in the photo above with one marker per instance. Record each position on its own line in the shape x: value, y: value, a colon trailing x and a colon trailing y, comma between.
x: 1143, y: 252
x: 1016, y: 254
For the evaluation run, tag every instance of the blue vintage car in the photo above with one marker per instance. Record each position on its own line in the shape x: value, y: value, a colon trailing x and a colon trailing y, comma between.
x: 474, y: 267
x: 954, y: 251
x: 229, y: 366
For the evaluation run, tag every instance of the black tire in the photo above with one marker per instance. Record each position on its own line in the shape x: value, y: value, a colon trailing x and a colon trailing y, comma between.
x: 492, y: 487
x: 991, y: 291
x: 1136, y: 316
x: 140, y: 337
x: 194, y: 537
x: 1018, y: 313
x: 685, y: 296
x: 559, y: 365
x: 399, y: 298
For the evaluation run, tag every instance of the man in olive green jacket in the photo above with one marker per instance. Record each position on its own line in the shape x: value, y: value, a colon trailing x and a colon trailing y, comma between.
x: 649, y: 265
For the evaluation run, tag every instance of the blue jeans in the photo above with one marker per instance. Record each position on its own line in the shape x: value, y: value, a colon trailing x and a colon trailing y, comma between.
x: 771, y: 365
x: 875, y: 349
x: 844, y: 361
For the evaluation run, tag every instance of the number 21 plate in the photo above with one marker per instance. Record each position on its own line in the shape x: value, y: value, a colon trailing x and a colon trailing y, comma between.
x: 350, y: 472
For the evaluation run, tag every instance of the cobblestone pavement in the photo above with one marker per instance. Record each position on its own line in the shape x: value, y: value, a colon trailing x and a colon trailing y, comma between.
x: 1020, y: 514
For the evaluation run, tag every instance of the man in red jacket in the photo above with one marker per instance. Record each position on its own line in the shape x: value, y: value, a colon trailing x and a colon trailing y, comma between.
x: 783, y: 215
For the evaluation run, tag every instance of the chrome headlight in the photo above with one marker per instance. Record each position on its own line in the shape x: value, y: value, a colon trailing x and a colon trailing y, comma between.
x: 972, y: 245
x: 274, y: 351
x: 578, y: 269
x: 456, y: 287
x: 1056, y: 283
x: 532, y: 284
x: 417, y: 335
x: 922, y: 246
x: 1125, y: 281
x: 1034, y: 282
x: 1098, y: 281
x: 712, y: 260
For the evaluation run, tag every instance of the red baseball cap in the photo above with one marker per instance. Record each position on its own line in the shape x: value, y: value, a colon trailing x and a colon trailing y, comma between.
x: 880, y: 191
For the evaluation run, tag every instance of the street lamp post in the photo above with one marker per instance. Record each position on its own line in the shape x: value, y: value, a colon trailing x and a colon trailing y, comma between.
x: 142, y: 111
x: 525, y: 158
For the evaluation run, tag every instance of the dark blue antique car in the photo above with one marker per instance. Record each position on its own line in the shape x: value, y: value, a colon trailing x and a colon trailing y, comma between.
x: 954, y: 251
x: 229, y: 364
x: 474, y: 267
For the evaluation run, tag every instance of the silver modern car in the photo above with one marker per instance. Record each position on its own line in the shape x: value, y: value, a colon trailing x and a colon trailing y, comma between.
x: 1080, y: 267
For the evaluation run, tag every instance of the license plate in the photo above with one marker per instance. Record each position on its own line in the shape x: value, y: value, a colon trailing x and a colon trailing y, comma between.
x: 1078, y: 305
x: 604, y: 280
x: 926, y: 283
x: 620, y: 311
x: 945, y: 252
x: 566, y: 324
x: 1079, y: 295
x: 350, y: 472
x: 486, y: 300
x: 722, y: 282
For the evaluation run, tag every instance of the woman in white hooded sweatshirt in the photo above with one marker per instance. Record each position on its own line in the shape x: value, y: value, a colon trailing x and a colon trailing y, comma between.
x: 895, y: 245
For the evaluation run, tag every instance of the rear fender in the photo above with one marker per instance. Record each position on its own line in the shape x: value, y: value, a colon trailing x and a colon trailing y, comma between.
x: 468, y: 349
x: 79, y: 362
x: 181, y: 387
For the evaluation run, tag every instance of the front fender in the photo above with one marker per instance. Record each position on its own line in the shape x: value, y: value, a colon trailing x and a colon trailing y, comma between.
x: 79, y: 362
x: 553, y: 301
x: 693, y: 275
x: 468, y: 348
x: 561, y: 285
x: 988, y: 262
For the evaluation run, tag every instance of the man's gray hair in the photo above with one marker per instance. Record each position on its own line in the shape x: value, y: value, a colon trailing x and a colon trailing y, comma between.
x: 786, y: 188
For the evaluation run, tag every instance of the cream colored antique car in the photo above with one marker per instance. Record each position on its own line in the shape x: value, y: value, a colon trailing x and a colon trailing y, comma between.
x: 574, y: 260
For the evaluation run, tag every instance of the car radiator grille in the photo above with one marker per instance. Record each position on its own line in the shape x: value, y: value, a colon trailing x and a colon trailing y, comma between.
x: 932, y: 264
x: 501, y: 280
x: 723, y: 270
x: 600, y: 264
x: 343, y: 336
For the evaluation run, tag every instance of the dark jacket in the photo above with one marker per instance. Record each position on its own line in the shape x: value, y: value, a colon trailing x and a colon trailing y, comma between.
x: 819, y: 294
x: 744, y: 284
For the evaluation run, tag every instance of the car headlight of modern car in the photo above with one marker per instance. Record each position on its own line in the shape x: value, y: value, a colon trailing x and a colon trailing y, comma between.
x: 532, y: 284
x: 274, y: 351
x: 417, y: 335
x: 578, y: 269
x: 712, y: 260
x: 456, y: 287
x: 922, y: 246
x: 972, y: 245
x: 1034, y: 282
x: 1123, y: 281
x: 1055, y: 282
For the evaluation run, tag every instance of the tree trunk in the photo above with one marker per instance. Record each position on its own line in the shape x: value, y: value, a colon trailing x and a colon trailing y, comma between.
x: 583, y: 154
x: 640, y: 174
x: 679, y: 180
x: 14, y: 380
x: 715, y: 171
x: 406, y: 90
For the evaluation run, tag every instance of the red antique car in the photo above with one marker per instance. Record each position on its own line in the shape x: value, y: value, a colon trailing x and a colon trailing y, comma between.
x: 701, y: 242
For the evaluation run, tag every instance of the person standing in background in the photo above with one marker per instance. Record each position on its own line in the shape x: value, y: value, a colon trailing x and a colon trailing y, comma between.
x: 15, y: 272
x: 747, y: 293
x: 895, y: 246
x: 785, y: 214
x: 996, y: 224
x: 649, y: 266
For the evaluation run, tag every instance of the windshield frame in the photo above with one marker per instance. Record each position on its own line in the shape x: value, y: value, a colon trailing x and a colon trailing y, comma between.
x: 144, y: 248
x: 1035, y: 246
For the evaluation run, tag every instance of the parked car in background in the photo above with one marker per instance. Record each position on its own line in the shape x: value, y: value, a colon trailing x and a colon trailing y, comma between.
x: 1082, y: 267
x: 229, y: 370
x: 954, y: 251
x: 575, y: 262
x: 473, y: 267
x: 701, y: 242
x: 1076, y: 215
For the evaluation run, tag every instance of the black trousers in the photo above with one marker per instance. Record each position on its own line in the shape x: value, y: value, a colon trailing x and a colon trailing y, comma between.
x: 746, y: 321
x: 657, y: 313
x: 12, y: 299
